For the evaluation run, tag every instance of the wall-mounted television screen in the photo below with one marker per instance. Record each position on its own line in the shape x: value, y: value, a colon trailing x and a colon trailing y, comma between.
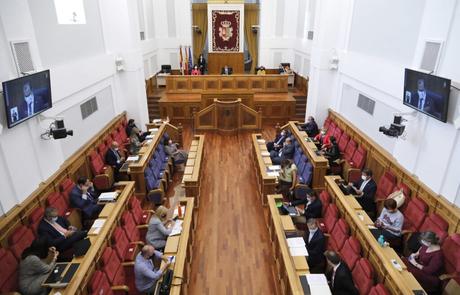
x: 26, y: 97
x: 427, y: 94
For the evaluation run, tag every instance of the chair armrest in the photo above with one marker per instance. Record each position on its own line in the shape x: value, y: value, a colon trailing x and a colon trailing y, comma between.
x: 142, y: 226
x: 447, y: 276
x: 120, y: 288
x: 129, y: 263
x: 140, y: 243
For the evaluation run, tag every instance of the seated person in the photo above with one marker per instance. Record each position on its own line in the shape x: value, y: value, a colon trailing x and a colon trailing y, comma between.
x: 427, y: 263
x: 281, y: 69
x: 58, y: 231
x: 37, y: 261
x: 178, y: 156
x: 134, y: 143
x: 313, y: 207
x: 145, y: 274
x: 365, y: 189
x: 84, y: 197
x: 332, y: 153
x: 130, y: 126
x: 113, y: 157
x: 322, y: 139
x: 287, y: 179
x: 341, y: 280
x: 310, y: 127
x: 316, y: 245
x: 261, y: 70
x: 287, y: 70
x: 159, y: 228
x: 226, y: 70
x: 286, y: 152
x: 277, y: 144
x: 390, y: 221
x: 196, y: 71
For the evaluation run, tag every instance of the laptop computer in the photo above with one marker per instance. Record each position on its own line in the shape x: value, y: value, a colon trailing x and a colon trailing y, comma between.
x: 56, y: 274
x: 288, y: 210
x: 81, y: 247
x: 61, y: 275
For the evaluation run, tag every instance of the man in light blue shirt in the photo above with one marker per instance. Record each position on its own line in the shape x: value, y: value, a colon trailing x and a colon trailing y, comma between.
x: 146, y: 276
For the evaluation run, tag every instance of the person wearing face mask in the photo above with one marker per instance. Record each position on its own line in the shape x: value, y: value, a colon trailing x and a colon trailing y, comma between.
x: 365, y: 190
x: 132, y: 126
x: 84, y: 197
x: 178, y: 156
x: 114, y: 158
x: 277, y: 144
x: 390, y: 221
x: 145, y: 273
x: 316, y: 245
x: 58, y: 231
x: 286, y: 152
x: 313, y: 207
x: 310, y: 127
x: 159, y: 229
x: 427, y: 263
x: 341, y: 280
x: 323, y: 140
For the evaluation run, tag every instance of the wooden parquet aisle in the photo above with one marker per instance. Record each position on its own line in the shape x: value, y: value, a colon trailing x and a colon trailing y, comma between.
x: 232, y: 254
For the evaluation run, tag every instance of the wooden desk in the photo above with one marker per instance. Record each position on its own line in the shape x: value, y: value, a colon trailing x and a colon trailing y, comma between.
x: 193, y: 169
x: 320, y: 163
x: 288, y: 268
x: 266, y: 184
x: 397, y: 282
x: 98, y: 242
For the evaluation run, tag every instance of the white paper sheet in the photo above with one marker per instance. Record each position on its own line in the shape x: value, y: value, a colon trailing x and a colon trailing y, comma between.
x: 274, y: 167
x: 261, y: 140
x: 109, y: 196
x: 295, y: 242
x: 265, y: 153
x: 316, y: 279
x: 298, y: 251
x: 98, y: 223
x: 132, y: 158
x: 273, y: 174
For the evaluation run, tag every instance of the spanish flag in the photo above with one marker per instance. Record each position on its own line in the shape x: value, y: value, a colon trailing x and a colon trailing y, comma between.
x: 181, y: 62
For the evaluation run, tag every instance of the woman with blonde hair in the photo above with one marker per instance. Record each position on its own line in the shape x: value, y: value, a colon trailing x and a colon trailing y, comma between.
x: 159, y: 228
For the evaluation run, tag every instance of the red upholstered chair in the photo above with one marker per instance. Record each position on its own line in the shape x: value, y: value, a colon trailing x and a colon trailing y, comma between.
x: 325, y: 200
x: 349, y: 150
x: 406, y: 191
x: 451, y: 251
x: 338, y: 235
x: 414, y: 215
x: 125, y: 249
x: 8, y: 271
x: 344, y: 139
x: 131, y: 228
x: 386, y: 186
x: 379, y: 289
x: 114, y: 269
x: 435, y: 223
x: 122, y: 133
x: 57, y: 201
x: 356, y: 164
x: 103, y: 174
x: 35, y: 217
x: 337, y: 133
x: 327, y: 123
x: 20, y: 239
x: 99, y: 284
x: 140, y: 215
x: 66, y: 186
x: 363, y: 276
x: 351, y: 252
x: 102, y: 149
x: 331, y: 216
x: 331, y: 129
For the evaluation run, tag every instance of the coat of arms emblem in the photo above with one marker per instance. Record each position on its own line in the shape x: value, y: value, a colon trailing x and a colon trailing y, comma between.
x: 225, y: 30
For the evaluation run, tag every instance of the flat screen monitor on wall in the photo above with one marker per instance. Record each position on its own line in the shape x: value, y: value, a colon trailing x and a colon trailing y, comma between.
x: 26, y: 97
x: 427, y: 94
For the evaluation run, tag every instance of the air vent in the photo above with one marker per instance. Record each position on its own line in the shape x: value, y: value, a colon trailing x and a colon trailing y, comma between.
x: 142, y: 36
x: 88, y: 107
x: 22, y: 57
x: 430, y: 56
x: 366, y: 104
x: 310, y: 35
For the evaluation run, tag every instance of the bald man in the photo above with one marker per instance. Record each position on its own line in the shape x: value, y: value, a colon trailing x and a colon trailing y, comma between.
x: 146, y: 276
x: 113, y: 158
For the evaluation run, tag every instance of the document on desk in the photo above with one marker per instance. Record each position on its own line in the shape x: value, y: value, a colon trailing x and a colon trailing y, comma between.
x: 298, y: 251
x: 132, y: 159
x: 265, y: 153
x: 318, y: 284
x: 273, y: 174
x: 153, y: 130
x: 156, y: 121
x: 274, y: 167
x: 96, y: 227
x: 177, y: 228
x: 108, y: 197
x: 261, y: 140
x: 295, y: 242
x: 150, y: 136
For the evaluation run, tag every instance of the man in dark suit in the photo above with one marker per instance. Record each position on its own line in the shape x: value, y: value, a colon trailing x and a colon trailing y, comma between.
x: 58, y: 230
x: 33, y: 101
x: 84, y: 198
x: 316, y: 245
x: 286, y: 152
x: 423, y: 99
x: 277, y: 144
x: 310, y: 127
x: 313, y: 207
x: 341, y: 282
x: 365, y: 190
x: 113, y: 157
x: 226, y: 70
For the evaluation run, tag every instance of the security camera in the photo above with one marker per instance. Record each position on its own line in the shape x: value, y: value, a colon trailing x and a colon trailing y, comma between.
x: 396, y: 128
x: 57, y: 130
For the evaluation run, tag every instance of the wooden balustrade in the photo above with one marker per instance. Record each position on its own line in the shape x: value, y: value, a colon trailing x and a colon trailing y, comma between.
x: 266, y: 184
x: 193, y: 169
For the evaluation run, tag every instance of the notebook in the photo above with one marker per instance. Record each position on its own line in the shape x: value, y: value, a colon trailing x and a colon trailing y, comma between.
x: 108, y: 197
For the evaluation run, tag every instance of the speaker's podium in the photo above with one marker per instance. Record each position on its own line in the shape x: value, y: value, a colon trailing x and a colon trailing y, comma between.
x: 228, y: 117
x: 217, y: 60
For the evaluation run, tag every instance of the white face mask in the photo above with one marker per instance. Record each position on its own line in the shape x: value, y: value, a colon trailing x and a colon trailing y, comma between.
x: 364, y: 178
x: 425, y: 243
x: 323, y: 132
x: 116, y: 149
x: 312, y: 230
x: 54, y: 219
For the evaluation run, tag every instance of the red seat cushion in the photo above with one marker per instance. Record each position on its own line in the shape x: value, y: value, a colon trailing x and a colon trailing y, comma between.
x: 331, y: 129
x: 351, y: 252
x: 343, y: 142
x: 359, y: 158
x: 35, y: 217
x: 96, y: 163
x: 122, y: 245
x: 436, y: 224
x: 451, y: 252
x: 140, y: 216
x: 327, y: 122
x: 337, y: 134
x: 386, y: 186
x: 349, y: 150
x: 330, y: 218
x: 415, y: 214
x: 66, y: 187
x: 339, y: 234
x: 20, y: 239
x: 8, y: 272
x: 379, y: 289
x: 363, y: 276
x: 99, y: 284
x: 325, y: 200
x: 130, y: 227
x: 57, y: 201
x: 111, y: 266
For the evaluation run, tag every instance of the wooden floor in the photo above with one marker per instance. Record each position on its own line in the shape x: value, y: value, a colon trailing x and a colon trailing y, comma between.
x: 232, y: 254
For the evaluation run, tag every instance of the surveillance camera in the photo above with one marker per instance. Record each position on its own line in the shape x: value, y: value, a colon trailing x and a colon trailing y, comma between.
x: 59, y: 131
x: 396, y: 128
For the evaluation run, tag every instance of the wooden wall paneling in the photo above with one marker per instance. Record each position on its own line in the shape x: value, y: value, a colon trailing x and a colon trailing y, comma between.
x: 448, y: 212
x: 197, y: 85
x: 430, y: 197
x: 217, y: 60
x: 211, y: 84
x: 257, y: 84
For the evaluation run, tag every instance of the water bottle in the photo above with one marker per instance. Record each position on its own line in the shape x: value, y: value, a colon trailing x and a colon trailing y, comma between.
x: 381, y: 241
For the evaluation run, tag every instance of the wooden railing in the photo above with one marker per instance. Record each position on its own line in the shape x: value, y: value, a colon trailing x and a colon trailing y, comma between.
x: 193, y: 172
x: 266, y: 185
x: 379, y: 161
